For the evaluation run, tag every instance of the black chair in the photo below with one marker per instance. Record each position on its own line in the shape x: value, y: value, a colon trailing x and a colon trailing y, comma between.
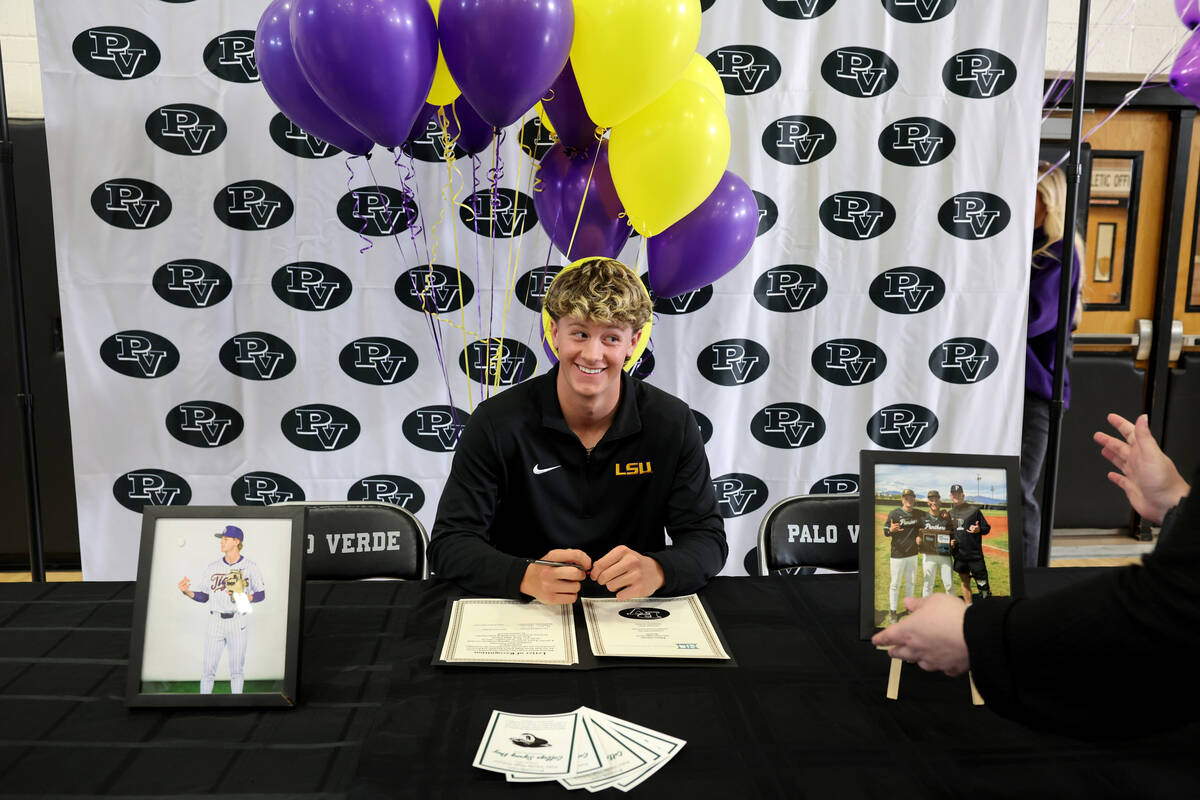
x: 355, y: 540
x: 811, y: 531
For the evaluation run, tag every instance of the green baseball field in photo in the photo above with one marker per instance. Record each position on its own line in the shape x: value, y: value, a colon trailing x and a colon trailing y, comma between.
x: 220, y: 687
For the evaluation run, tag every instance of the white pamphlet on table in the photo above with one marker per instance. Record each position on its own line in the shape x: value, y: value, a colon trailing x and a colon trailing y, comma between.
x: 653, y: 627
x: 528, y: 744
x: 509, y: 631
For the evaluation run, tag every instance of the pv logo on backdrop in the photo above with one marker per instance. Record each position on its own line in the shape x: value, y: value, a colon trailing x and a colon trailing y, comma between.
x: 502, y: 215
x: 378, y: 360
x: 860, y: 71
x: 264, y: 489
x: 131, y: 203
x: 857, y: 215
x: 974, y: 215
x: 435, y: 288
x: 320, y: 428
x: 963, y: 360
x: 430, y: 147
x: 186, y: 129
x: 151, y: 487
x: 394, y: 489
x: 192, y: 283
x: 684, y: 303
x: 502, y: 361
x: 919, y: 10
x: 705, y: 5
x: 790, y: 287
x: 733, y: 362
x: 311, y: 285
x: 849, y: 362
x: 121, y: 54
x: 798, y: 139
x: 531, y: 287
x: 902, y: 426
x: 787, y: 425
x: 293, y: 139
x: 535, y: 140
x: 704, y: 424
x: 916, y: 142
x: 257, y: 356
x: 377, y: 210
x: 768, y: 213
x: 253, y: 205
x: 907, y: 290
x: 745, y: 68
x: 435, y: 428
x: 738, y: 494
x: 204, y: 423
x: 979, y: 73
x: 230, y: 57
x: 139, y: 354
x: 799, y: 9
x: 843, y: 483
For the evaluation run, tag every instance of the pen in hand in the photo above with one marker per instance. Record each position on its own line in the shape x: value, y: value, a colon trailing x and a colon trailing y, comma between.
x: 543, y: 562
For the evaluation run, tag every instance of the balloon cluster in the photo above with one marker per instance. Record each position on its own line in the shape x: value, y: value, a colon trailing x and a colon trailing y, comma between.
x: 643, y: 139
x: 1185, y: 73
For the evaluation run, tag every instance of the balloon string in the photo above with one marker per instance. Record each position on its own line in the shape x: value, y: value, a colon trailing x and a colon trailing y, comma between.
x: 363, y: 229
x: 449, y: 202
x: 586, y: 187
x: 513, y: 261
x: 638, y: 258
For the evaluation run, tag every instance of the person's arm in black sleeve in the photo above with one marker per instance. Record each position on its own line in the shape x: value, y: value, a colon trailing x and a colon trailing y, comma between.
x: 985, y: 527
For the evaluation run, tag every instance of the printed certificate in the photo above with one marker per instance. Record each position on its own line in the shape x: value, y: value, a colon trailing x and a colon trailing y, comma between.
x: 509, y: 631
x: 654, y: 627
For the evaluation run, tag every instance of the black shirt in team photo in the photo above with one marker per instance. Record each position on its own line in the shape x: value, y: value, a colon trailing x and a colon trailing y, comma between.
x: 936, y: 533
x: 904, y: 541
x: 968, y: 543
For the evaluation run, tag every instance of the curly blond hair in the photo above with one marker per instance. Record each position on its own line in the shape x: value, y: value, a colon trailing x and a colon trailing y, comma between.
x: 601, y: 289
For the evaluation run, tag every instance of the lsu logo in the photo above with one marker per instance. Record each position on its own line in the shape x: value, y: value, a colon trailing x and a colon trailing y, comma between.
x: 120, y: 54
x: 979, y: 73
x: 502, y: 361
x: 788, y: 425
x: 857, y: 215
x: 204, y: 423
x: 745, y: 68
x: 860, y: 71
x: 531, y: 287
x: 919, y: 10
x: 633, y: 468
x: 902, y: 426
x: 253, y: 206
x: 790, y: 288
x: 139, y: 354
x: 435, y: 428
x: 186, y: 129
x: 435, y: 288
x: 500, y: 215
x: 974, y: 215
x: 377, y: 211
x: 378, y: 360
x: 320, y: 428
x: 963, y: 360
x: 230, y: 57
x: 798, y: 139
x: 739, y: 494
x: 151, y: 487
x: 916, y: 142
x: 907, y: 290
x: 257, y: 356
x: 131, y: 203
x: 394, y: 489
x: 264, y: 489
x: 291, y: 138
x: 849, y: 362
x: 799, y: 9
x: 311, y: 285
x: 192, y: 283
x: 845, y: 483
x: 733, y: 362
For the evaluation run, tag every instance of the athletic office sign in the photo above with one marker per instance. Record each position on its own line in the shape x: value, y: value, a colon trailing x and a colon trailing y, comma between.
x: 121, y: 54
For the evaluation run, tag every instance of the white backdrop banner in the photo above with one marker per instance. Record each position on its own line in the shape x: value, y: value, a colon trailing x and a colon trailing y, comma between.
x: 242, y: 304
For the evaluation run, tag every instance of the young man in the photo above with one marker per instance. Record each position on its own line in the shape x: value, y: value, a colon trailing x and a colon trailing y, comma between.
x: 584, y: 466
x: 902, y: 526
x: 935, y: 546
x: 970, y: 527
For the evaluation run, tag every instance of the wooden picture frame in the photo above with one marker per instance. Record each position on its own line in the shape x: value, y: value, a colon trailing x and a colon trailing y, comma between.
x: 989, y: 484
x: 187, y: 621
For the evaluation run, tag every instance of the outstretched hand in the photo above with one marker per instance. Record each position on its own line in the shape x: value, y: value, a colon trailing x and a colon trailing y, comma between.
x: 931, y: 636
x: 1145, y: 473
x: 628, y: 573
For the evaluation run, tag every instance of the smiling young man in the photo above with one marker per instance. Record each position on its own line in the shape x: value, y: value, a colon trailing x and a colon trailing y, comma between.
x: 584, y: 465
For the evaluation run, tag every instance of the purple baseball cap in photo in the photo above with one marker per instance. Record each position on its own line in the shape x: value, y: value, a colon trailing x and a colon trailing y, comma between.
x: 233, y: 532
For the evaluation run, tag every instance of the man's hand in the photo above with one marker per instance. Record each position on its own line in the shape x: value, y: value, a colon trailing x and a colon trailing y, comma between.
x: 1149, y: 479
x: 930, y: 636
x: 895, y: 527
x: 628, y: 573
x: 556, y: 585
x: 184, y: 586
x: 974, y: 528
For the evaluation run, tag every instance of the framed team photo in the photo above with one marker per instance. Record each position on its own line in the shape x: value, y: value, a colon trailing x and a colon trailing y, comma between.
x: 218, y: 604
x: 936, y: 522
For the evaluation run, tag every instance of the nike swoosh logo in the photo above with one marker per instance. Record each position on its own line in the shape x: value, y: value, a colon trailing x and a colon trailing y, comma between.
x: 537, y: 470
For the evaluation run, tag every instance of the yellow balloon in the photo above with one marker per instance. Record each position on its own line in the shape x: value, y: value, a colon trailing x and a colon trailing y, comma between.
x: 444, y: 89
x: 701, y: 72
x: 668, y: 157
x: 638, y: 349
x: 628, y: 52
x: 541, y: 112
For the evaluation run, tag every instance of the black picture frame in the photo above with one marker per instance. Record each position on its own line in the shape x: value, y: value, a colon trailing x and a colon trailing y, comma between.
x: 171, y: 635
x: 883, y: 475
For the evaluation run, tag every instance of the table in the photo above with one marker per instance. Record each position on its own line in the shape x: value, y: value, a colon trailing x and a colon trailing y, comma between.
x: 803, y: 715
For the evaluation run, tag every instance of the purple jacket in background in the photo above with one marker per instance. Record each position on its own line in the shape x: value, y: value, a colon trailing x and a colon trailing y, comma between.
x: 1043, y: 317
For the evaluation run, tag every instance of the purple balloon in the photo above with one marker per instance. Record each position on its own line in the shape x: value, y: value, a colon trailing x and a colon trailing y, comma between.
x: 1188, y: 11
x: 1185, y: 73
x: 421, y: 124
x: 707, y: 243
x: 504, y: 54
x: 562, y: 176
x: 474, y: 134
x: 288, y: 88
x: 567, y: 113
x: 371, y: 61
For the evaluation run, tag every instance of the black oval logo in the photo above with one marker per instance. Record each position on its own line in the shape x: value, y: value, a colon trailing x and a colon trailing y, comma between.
x: 746, y: 68
x: 377, y: 211
x: 907, y: 290
x: 787, y: 425
x: 139, y: 354
x: 705, y: 5
x: 131, y: 203
x: 293, y: 139
x: 979, y: 73
x: 264, y: 489
x: 311, y: 285
x: 916, y: 142
x: 842, y: 483
x: 502, y: 215
x: 531, y: 287
x: 768, y: 213
x: 230, y: 57
x: 790, y: 287
x: 121, y: 54
x: 798, y: 139
x: 857, y: 215
x: 534, y: 139
x: 963, y: 360
x: 644, y: 613
x: 430, y: 147
x: 253, y: 206
x: 704, y: 424
x: 860, y: 71
x: 849, y: 362
x: 739, y: 493
x: 799, y: 9
x: 186, y: 129
x: 257, y: 356
x: 395, y: 489
x: 435, y: 288
x: 685, y: 303
x: 320, y: 428
x: 644, y: 366
x: 204, y: 423
x: 902, y: 426
x: 733, y: 362
x: 919, y: 10
x: 974, y: 215
x: 435, y: 428
x: 378, y: 360
x: 139, y: 488
x: 497, y: 361
x: 192, y: 283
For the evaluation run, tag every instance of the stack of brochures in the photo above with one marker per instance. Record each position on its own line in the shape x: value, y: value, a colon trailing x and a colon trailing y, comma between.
x: 583, y: 749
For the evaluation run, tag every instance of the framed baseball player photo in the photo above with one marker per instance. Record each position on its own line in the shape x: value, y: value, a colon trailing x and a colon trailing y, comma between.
x: 935, y: 522
x: 218, y: 605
